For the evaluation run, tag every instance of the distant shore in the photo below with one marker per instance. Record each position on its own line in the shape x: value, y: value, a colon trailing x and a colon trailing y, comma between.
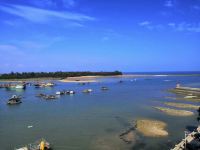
x: 28, y: 80
x: 92, y: 78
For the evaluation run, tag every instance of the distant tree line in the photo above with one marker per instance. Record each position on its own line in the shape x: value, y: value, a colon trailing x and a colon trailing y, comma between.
x: 58, y: 74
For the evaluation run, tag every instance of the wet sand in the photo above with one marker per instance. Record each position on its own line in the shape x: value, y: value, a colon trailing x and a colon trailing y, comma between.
x: 184, y: 99
x: 151, y: 128
x: 175, y: 112
x: 182, y: 105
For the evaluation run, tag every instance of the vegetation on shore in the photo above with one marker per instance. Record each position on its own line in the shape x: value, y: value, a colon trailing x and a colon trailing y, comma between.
x: 60, y: 74
x: 151, y: 128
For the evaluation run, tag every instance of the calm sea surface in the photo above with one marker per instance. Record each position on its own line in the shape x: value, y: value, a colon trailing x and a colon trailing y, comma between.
x: 93, y: 121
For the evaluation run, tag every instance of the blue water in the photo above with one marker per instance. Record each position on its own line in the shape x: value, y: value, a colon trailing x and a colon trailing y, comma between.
x: 93, y: 121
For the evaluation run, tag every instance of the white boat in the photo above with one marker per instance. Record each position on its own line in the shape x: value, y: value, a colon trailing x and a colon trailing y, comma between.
x: 58, y: 93
x: 20, y: 86
x: 87, y: 91
x: 49, y: 84
x: 71, y: 92
x: 14, y: 100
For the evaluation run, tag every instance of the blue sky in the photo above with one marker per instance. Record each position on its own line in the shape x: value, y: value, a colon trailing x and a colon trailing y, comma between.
x: 99, y: 35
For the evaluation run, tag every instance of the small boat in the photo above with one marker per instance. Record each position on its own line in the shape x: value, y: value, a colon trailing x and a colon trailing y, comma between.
x: 37, y: 85
x: 87, y: 91
x: 104, y: 88
x: 58, y: 93
x: 71, y: 92
x: 14, y: 100
x: 49, y: 84
x: 38, y: 145
x: 40, y: 95
x: 20, y: 86
x: 49, y: 97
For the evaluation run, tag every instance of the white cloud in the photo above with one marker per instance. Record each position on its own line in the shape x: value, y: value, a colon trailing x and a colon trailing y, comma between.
x: 8, y: 49
x: 69, y: 2
x: 144, y: 23
x: 105, y: 38
x: 168, y: 3
x: 181, y: 27
x: 171, y: 24
x: 196, y: 7
x: 53, y: 3
x: 43, y: 15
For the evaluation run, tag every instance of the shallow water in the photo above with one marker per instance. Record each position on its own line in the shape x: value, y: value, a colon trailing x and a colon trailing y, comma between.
x: 92, y: 121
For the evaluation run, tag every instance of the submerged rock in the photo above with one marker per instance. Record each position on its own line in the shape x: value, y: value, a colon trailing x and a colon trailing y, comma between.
x: 175, y: 112
x: 128, y: 137
x: 151, y: 128
x: 107, y: 142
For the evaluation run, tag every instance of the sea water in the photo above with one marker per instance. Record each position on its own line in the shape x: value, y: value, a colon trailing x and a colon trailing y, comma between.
x: 93, y: 121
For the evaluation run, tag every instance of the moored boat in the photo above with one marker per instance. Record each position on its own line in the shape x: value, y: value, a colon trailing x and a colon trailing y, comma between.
x: 38, y: 85
x: 49, y: 97
x: 87, y: 91
x: 20, y: 86
x: 14, y: 100
x: 104, y: 88
x: 49, y: 84
x: 38, y: 145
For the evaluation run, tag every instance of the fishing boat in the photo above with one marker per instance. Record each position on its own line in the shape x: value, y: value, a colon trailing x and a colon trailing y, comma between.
x: 104, y: 88
x: 37, y: 85
x: 49, y: 97
x: 71, y: 92
x: 87, y: 91
x: 59, y: 93
x: 14, y: 100
x: 20, y: 86
x: 38, y: 145
x: 49, y: 84
x: 40, y: 95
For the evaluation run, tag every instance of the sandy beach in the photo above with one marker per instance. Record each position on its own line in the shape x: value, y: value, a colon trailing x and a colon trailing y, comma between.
x: 81, y: 79
x: 95, y: 78
x: 88, y: 78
